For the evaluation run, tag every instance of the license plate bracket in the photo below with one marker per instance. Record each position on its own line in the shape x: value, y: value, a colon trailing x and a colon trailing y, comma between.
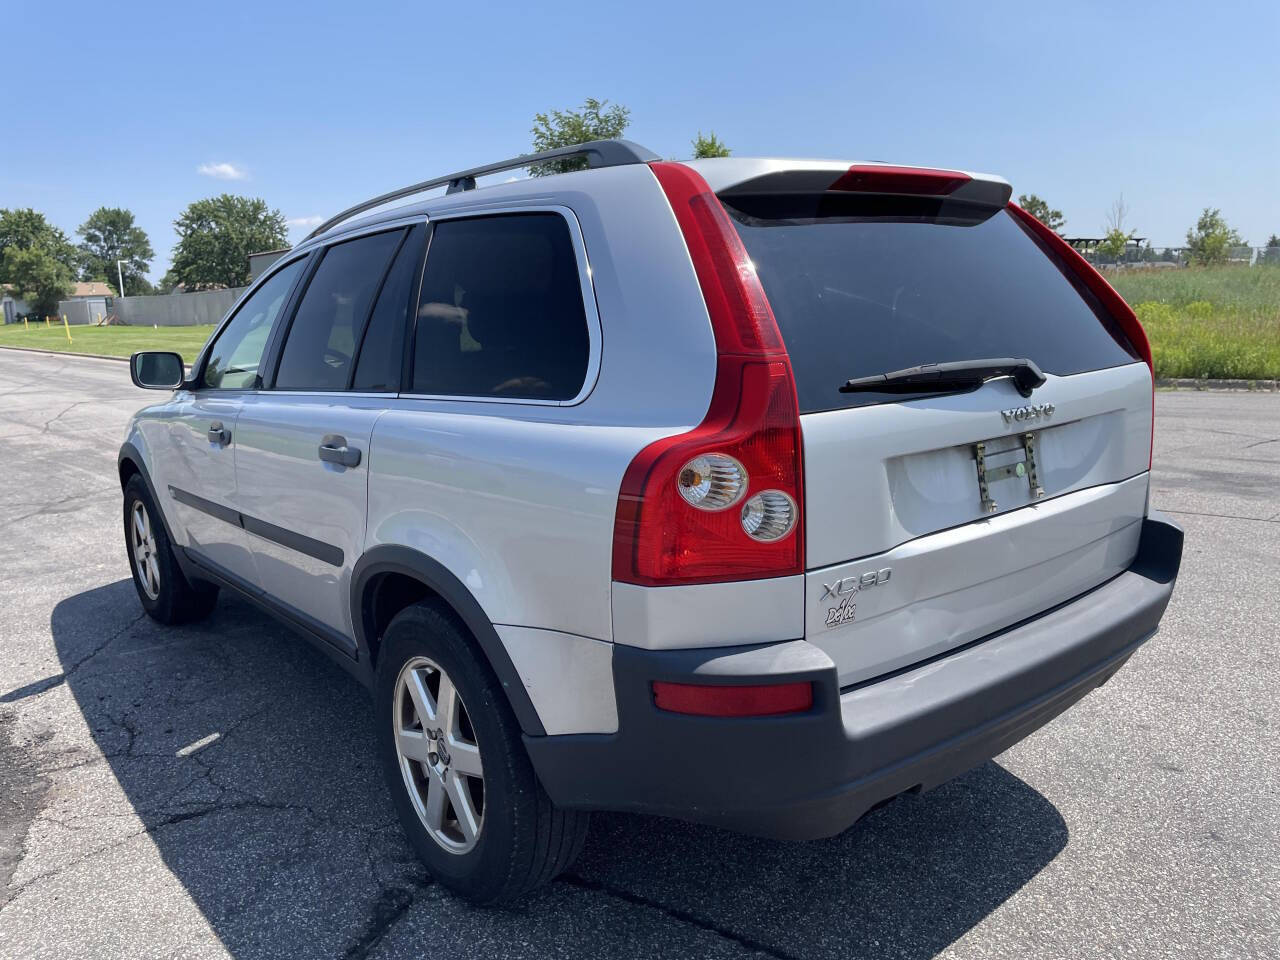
x: 1028, y: 467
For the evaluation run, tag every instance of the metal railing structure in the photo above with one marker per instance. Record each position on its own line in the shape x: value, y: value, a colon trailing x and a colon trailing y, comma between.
x: 1166, y: 257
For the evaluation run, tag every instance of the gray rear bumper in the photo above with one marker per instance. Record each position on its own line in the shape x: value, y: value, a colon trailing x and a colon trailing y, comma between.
x: 813, y: 774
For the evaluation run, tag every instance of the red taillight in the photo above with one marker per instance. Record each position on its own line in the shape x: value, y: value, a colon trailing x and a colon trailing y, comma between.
x: 1111, y: 301
x: 740, y: 314
x: 659, y: 538
x: 900, y: 181
x: 715, y: 700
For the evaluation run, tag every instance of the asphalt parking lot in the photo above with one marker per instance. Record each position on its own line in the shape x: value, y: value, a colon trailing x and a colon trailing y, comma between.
x: 1143, y: 823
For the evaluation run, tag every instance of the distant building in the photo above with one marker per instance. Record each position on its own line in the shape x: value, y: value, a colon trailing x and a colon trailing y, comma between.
x: 95, y: 295
x: 13, y: 308
x: 89, y: 290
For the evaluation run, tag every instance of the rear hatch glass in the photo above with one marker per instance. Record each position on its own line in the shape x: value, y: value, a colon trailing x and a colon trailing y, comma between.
x: 867, y: 285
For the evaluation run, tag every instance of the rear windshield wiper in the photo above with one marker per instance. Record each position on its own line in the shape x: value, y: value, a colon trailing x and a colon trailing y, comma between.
x: 954, y: 377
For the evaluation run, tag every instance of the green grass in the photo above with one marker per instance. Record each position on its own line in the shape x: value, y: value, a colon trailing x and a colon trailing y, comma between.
x: 107, y: 341
x: 1219, y: 322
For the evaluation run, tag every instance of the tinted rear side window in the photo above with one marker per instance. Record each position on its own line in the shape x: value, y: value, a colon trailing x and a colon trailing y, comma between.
x: 859, y: 289
x: 501, y: 311
x: 330, y: 319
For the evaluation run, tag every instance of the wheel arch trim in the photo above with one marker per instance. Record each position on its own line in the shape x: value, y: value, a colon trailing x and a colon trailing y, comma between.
x: 129, y: 453
x: 393, y: 558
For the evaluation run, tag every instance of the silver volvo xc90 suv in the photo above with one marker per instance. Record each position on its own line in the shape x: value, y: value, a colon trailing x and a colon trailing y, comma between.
x: 613, y: 484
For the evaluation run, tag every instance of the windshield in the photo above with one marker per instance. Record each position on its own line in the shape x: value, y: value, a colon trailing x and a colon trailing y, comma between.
x: 861, y: 286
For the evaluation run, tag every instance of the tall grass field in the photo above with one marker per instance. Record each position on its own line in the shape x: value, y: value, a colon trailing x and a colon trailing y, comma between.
x: 1218, y: 322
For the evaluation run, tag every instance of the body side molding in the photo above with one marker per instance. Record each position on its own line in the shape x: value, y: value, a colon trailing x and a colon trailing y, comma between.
x: 317, y: 549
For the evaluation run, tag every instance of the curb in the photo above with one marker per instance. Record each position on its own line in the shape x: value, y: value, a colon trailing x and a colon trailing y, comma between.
x: 186, y: 367
x: 65, y: 353
x: 1190, y: 383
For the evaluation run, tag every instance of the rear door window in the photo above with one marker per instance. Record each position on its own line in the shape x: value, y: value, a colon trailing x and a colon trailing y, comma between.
x: 859, y: 289
x: 501, y: 312
x: 319, y: 351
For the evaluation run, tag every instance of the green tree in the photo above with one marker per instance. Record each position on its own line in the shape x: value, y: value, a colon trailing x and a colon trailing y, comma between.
x: 709, y: 146
x: 1053, y: 219
x: 1114, y: 243
x: 110, y: 235
x: 1273, y: 241
x: 36, y: 258
x: 1118, y: 235
x: 1211, y: 239
x: 564, y: 128
x: 39, y: 276
x: 21, y: 228
x: 216, y: 236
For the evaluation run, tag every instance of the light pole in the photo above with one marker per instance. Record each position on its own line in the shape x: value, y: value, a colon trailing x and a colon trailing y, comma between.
x: 120, y: 276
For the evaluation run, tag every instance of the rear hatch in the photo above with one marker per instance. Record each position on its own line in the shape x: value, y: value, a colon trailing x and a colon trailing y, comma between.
x: 936, y: 518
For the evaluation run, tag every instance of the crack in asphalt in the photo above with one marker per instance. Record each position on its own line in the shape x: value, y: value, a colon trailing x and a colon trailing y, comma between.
x: 684, y: 916
x: 395, y: 896
x: 58, y: 679
x: 83, y: 501
x: 230, y: 800
x: 389, y: 909
x: 64, y: 411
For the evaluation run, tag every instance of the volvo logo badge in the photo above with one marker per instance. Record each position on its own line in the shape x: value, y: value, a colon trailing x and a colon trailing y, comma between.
x: 1034, y: 411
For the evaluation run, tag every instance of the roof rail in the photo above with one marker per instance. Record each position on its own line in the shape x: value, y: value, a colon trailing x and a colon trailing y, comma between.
x: 599, y: 153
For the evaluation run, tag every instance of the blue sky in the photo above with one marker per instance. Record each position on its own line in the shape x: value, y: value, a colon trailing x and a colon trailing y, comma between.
x: 316, y: 106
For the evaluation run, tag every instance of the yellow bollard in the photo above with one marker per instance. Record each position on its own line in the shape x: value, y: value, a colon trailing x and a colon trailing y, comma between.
x: 66, y: 328
x: 46, y: 320
x: 24, y: 323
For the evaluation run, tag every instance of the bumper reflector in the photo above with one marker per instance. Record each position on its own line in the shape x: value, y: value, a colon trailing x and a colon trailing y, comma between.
x: 719, y: 700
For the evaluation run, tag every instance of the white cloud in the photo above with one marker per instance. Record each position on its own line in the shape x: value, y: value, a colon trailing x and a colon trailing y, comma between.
x: 305, y: 221
x: 222, y: 171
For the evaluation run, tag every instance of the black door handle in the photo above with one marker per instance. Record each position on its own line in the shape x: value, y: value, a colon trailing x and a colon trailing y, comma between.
x: 334, y: 449
x: 219, y: 434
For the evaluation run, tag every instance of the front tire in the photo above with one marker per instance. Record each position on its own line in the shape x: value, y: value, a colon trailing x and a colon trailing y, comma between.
x: 462, y: 783
x: 165, y: 593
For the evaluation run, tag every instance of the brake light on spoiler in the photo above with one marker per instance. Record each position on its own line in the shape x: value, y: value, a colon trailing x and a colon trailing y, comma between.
x: 878, y: 179
x: 903, y: 181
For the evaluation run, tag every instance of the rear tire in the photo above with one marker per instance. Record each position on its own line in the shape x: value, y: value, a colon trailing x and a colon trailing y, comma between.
x: 165, y: 593
x: 509, y: 838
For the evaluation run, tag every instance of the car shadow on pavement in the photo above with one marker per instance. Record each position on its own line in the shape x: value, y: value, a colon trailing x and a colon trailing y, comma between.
x: 249, y: 758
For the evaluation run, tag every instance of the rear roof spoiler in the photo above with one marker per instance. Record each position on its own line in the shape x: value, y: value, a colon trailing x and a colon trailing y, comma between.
x: 877, y: 179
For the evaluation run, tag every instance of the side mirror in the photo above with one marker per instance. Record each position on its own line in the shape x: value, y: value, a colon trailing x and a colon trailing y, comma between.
x: 156, y: 370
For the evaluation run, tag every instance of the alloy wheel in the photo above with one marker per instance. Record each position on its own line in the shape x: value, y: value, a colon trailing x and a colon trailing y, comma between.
x: 438, y: 755
x: 144, y: 550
